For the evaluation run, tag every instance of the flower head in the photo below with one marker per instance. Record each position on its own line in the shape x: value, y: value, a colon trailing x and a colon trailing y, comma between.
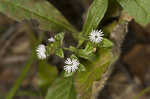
x: 71, y: 65
x: 41, y: 51
x: 51, y: 39
x: 96, y: 36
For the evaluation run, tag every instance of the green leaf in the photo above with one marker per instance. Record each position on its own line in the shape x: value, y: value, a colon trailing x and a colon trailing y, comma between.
x: 139, y: 9
x: 41, y: 10
x: 81, y: 68
x: 106, y: 43
x: 47, y: 74
x: 74, y: 56
x: 60, y: 53
x: 95, y: 14
x: 94, y: 72
x: 59, y: 37
x: 66, y: 74
x: 62, y: 88
x: 89, y: 48
x: 86, y: 53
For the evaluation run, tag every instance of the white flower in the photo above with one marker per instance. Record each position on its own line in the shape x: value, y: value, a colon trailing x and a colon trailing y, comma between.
x: 96, y: 36
x: 41, y: 51
x: 71, y: 65
x: 51, y: 39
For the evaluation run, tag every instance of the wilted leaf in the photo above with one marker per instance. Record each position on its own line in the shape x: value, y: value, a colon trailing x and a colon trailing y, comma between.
x: 41, y: 10
x: 94, y: 72
x: 139, y: 9
x: 95, y: 14
x: 62, y: 88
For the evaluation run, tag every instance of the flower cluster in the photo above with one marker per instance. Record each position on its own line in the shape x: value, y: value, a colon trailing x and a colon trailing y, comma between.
x: 51, y: 39
x: 71, y: 65
x: 41, y: 51
x: 96, y: 36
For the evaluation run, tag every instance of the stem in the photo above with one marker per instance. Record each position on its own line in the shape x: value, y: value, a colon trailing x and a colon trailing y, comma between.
x: 20, y: 79
x: 80, y: 43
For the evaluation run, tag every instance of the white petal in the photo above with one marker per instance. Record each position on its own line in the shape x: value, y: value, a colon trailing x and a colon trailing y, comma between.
x: 51, y: 39
x: 41, y: 51
x: 68, y: 61
x: 71, y: 65
x: 96, y: 36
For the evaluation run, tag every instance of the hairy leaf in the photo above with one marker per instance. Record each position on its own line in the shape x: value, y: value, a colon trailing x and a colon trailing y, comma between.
x: 62, y: 88
x: 139, y: 9
x: 41, y: 10
x: 94, y: 72
x: 95, y: 14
